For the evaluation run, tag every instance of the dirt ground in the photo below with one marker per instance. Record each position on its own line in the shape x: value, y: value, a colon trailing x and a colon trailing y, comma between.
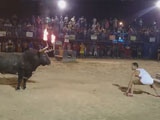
x: 88, y: 89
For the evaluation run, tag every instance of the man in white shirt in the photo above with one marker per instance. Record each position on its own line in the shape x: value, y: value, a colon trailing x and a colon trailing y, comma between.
x: 140, y: 77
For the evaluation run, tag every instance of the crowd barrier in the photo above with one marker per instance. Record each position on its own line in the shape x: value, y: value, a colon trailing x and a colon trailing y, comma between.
x: 65, y: 55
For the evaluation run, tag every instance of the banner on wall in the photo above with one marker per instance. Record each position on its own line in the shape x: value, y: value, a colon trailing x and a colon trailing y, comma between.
x: 94, y: 37
x: 152, y: 39
x: 58, y: 42
x: 72, y: 37
x: 133, y: 38
x: 3, y: 33
x: 29, y: 34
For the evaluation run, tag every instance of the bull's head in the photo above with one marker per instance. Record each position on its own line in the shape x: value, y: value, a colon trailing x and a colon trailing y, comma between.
x: 44, y: 59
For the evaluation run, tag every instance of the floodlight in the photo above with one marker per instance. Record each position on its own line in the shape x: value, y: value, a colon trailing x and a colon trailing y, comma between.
x: 158, y: 4
x: 62, y: 4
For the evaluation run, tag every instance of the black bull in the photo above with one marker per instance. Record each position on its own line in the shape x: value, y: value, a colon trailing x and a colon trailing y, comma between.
x: 23, y: 64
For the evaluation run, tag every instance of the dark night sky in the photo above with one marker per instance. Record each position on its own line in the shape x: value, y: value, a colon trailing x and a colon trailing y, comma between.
x: 89, y: 8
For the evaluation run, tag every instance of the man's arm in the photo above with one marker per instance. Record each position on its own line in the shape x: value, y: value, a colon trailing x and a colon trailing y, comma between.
x: 136, y: 73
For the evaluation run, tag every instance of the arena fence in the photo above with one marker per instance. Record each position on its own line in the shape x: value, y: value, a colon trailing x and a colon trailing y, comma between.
x: 65, y: 55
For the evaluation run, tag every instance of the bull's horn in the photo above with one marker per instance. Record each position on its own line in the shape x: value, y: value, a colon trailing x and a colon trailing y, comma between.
x: 50, y: 50
x: 44, y: 49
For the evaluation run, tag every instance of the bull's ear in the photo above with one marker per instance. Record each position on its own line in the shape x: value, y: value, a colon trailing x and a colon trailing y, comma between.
x: 41, y: 50
x: 39, y: 53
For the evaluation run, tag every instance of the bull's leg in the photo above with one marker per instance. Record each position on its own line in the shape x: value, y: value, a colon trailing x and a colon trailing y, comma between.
x: 27, y: 76
x: 24, y: 83
x: 19, y: 82
x: 20, y: 78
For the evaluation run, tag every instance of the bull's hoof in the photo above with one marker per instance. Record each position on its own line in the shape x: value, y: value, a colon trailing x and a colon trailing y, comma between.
x: 24, y: 88
x: 18, y: 88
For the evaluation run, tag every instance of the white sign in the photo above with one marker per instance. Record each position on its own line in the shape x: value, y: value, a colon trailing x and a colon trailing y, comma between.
x: 2, y: 33
x: 58, y: 42
x: 72, y: 37
x: 93, y: 37
x: 133, y: 38
x: 152, y: 39
x: 29, y: 34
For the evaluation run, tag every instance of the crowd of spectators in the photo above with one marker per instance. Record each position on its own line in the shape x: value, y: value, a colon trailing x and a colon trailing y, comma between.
x: 109, y: 37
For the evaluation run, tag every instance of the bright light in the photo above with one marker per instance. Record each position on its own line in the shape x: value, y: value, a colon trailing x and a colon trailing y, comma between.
x: 53, y: 38
x: 121, y: 23
x: 62, y: 4
x: 158, y: 4
x: 45, y: 35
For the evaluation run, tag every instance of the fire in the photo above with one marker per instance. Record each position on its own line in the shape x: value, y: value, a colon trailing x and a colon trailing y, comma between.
x: 53, y: 37
x: 45, y: 35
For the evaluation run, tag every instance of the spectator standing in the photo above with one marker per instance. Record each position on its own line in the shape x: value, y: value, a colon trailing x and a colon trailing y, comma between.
x: 141, y: 23
x: 134, y: 51
x: 158, y: 53
x: 10, y: 46
x: 25, y: 46
x: 106, y: 24
x: 82, y: 50
x: 18, y: 47
x: 31, y: 45
x: 115, y: 23
x: 0, y: 47
x: 139, y: 52
x: 61, y: 24
x: 95, y: 53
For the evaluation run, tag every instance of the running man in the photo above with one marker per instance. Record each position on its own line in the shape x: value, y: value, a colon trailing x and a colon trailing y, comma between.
x: 140, y: 77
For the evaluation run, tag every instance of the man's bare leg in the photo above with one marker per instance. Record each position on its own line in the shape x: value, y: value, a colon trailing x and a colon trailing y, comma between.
x: 132, y: 89
x: 129, y: 91
x: 129, y: 87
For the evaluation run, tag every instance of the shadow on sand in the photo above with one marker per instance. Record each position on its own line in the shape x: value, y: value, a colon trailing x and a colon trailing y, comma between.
x: 136, y: 91
x: 12, y: 81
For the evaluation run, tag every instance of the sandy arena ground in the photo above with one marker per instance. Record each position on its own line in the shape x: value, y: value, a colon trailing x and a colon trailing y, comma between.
x: 87, y: 90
